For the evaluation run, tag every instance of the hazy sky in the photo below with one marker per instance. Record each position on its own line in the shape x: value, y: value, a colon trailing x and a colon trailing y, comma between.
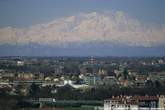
x: 20, y: 13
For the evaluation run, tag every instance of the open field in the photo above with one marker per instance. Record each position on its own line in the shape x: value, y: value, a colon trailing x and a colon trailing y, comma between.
x: 79, y: 108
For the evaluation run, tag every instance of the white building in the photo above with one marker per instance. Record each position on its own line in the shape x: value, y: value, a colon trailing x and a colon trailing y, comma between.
x: 135, y: 103
x: 162, y: 102
x: 68, y: 82
x: 117, y: 105
x: 20, y: 63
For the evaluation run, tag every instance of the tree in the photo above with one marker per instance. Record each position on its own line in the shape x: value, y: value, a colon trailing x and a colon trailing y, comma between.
x: 125, y: 74
x: 157, y: 84
x: 149, y: 83
x: 34, y: 89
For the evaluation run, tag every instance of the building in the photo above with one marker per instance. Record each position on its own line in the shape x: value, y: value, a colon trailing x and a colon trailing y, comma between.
x: 148, y: 101
x: 102, y: 72
x: 92, y: 80
x: 120, y: 103
x: 20, y: 63
x: 135, y: 103
x: 162, y: 102
x: 7, y: 76
x: 25, y: 76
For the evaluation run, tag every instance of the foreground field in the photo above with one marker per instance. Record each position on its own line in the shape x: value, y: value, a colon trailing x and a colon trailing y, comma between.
x: 79, y: 108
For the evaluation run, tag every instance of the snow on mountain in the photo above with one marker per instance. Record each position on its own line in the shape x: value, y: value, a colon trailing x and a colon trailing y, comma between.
x: 110, y: 27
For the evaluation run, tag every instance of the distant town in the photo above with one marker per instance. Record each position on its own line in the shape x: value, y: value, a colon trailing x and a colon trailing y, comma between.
x: 99, y: 83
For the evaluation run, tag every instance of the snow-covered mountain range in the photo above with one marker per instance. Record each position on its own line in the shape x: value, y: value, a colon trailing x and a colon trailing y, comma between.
x: 95, y: 30
x: 112, y: 27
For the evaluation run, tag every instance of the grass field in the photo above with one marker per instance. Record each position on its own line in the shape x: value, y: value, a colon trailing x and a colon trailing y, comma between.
x: 79, y: 108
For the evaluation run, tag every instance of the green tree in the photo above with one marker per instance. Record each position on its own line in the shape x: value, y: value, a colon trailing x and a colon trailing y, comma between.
x: 34, y: 89
x: 125, y: 74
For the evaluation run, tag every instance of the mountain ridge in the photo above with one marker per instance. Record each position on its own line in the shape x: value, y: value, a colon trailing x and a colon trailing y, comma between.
x: 116, y: 27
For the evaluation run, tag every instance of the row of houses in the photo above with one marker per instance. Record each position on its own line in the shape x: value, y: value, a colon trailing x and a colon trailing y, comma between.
x: 139, y: 80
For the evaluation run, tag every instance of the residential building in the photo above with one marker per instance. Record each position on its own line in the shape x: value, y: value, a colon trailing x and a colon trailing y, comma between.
x: 135, y: 103
x: 120, y: 104
x: 92, y: 80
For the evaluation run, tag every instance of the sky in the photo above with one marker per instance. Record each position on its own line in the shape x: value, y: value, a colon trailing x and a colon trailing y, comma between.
x: 20, y: 13
x: 82, y: 27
